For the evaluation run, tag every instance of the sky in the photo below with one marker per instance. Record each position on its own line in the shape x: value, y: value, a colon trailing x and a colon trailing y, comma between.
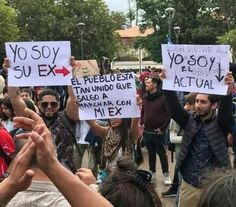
x: 117, y: 5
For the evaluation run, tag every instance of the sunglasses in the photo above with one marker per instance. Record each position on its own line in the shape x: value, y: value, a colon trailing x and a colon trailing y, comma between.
x: 46, y: 104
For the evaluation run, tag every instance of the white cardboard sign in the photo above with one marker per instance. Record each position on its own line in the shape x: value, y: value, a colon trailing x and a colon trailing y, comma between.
x: 39, y: 63
x: 108, y: 96
x: 196, y: 68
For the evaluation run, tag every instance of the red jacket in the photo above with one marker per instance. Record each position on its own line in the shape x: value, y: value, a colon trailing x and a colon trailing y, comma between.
x: 7, y: 145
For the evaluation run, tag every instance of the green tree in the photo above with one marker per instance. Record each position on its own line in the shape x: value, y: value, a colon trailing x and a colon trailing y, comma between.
x: 8, y: 26
x: 153, y: 15
x: 230, y: 39
x: 200, y: 21
x: 36, y: 19
x: 58, y: 20
x: 119, y: 19
x: 99, y: 37
x: 223, y: 10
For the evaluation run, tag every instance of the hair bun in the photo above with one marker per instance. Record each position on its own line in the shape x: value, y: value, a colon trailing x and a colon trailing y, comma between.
x: 126, y: 164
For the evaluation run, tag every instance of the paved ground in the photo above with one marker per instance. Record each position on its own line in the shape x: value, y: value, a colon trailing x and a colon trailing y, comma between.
x: 160, y: 187
x: 167, y: 202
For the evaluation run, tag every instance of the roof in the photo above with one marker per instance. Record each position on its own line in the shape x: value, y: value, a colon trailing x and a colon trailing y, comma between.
x: 134, y: 32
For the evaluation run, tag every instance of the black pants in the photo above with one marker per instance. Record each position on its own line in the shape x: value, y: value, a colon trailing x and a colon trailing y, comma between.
x: 155, y: 144
x: 175, y: 182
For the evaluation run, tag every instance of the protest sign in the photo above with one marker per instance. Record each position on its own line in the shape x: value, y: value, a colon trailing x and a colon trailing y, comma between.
x: 39, y: 63
x: 85, y: 68
x: 196, y: 68
x: 108, y: 96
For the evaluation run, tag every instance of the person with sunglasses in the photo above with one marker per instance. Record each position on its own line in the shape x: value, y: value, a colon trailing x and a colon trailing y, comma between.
x: 60, y: 123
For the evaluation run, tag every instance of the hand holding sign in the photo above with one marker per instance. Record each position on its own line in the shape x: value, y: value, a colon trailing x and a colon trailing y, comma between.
x: 46, y: 62
x: 229, y: 80
x: 6, y: 64
x: 196, y: 68
x: 108, y: 96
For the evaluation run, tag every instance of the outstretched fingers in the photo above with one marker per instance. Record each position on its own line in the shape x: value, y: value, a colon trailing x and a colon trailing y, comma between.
x: 34, y: 116
x: 32, y: 137
x: 38, y: 141
x: 25, y: 123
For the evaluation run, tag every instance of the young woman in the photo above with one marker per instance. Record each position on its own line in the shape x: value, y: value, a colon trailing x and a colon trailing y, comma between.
x: 26, y: 94
x: 7, y: 114
x: 119, y: 139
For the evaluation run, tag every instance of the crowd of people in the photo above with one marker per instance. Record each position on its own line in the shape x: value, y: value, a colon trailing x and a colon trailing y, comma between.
x: 43, y: 142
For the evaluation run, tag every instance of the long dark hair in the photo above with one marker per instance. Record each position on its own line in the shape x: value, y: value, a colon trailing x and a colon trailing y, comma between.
x: 127, y: 143
x: 125, y: 187
x: 7, y: 103
x: 124, y: 130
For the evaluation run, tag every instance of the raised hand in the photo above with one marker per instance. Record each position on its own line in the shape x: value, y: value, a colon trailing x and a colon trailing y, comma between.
x: 41, y: 137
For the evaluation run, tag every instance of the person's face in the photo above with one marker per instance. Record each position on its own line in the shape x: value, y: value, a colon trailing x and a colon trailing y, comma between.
x: 48, y: 106
x: 145, y: 80
x: 25, y: 95
x: 150, y: 86
x: 203, y: 106
x: 116, y: 122
x: 6, y: 111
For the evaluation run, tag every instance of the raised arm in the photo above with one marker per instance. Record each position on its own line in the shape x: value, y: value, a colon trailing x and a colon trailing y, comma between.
x: 21, y: 177
x: 178, y: 113
x: 98, y: 129
x: 74, y: 190
x: 72, y: 109
x: 225, y: 112
x: 71, y: 105
x: 14, y: 94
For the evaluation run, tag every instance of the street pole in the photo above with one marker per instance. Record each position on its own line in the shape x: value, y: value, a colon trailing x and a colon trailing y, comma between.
x: 170, y: 14
x: 82, y: 46
x: 177, y: 32
x: 140, y: 60
x: 81, y: 26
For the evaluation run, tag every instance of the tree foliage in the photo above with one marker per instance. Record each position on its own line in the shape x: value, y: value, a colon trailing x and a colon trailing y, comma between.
x: 201, y: 21
x: 230, y: 39
x: 56, y: 20
x: 8, y: 26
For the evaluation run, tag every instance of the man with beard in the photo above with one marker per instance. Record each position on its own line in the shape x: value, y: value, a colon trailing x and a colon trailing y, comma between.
x: 60, y: 123
x: 204, y: 144
x: 155, y: 118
